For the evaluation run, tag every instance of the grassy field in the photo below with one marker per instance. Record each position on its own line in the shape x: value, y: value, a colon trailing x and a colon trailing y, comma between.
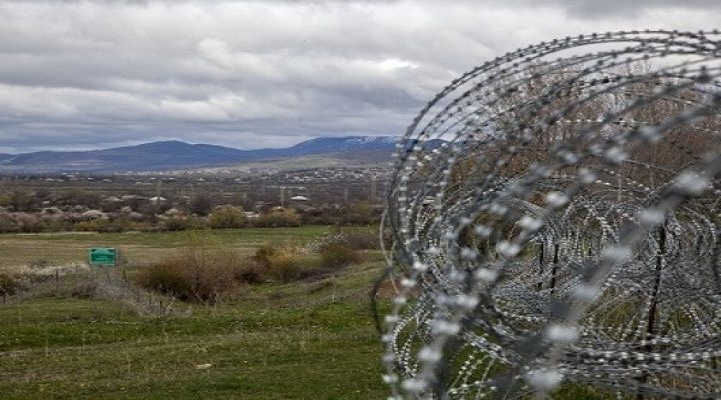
x: 139, y: 248
x: 311, y: 339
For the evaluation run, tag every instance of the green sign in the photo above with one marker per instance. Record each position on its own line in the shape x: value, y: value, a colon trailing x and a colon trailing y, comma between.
x: 103, y: 256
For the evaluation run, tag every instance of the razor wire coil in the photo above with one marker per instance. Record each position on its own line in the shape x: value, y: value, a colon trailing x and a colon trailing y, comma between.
x: 554, y: 215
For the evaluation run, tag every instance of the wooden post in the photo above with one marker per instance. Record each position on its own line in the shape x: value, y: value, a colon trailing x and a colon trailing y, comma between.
x: 650, y: 328
x: 652, y: 308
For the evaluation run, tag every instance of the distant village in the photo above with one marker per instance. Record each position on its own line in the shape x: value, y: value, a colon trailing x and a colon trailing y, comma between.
x: 32, y: 203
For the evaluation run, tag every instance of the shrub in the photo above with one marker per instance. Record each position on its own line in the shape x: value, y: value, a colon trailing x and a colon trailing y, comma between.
x: 81, y: 197
x: 97, y: 225
x: 84, y: 290
x: 121, y: 225
x: 201, y: 204
x: 8, y: 224
x: 251, y: 272
x: 278, y: 218
x: 361, y: 213
x: 172, y: 277
x: 9, y: 285
x: 53, y: 223
x: 360, y: 240
x: 177, y: 224
x: 357, y: 214
x: 284, y: 264
x: 28, y: 223
x: 365, y: 239
x: 336, y: 255
x: 263, y: 254
x: 200, y: 276
x: 22, y: 201
x: 225, y: 217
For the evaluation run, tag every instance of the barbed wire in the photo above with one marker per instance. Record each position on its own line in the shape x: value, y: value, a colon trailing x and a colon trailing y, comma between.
x: 554, y: 214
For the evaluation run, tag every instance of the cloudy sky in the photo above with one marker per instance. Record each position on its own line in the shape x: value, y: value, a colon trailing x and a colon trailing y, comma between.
x: 250, y: 74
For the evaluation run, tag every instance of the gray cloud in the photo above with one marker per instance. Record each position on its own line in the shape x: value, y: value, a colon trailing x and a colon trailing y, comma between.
x: 595, y: 8
x: 89, y: 74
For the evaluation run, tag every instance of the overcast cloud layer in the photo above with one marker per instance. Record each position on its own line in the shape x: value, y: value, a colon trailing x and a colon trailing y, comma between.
x: 82, y: 74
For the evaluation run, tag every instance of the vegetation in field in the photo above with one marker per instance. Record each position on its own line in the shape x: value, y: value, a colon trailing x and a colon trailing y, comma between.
x: 204, y: 278
x: 207, y: 275
x: 95, y: 333
x: 9, y: 284
x: 226, y: 217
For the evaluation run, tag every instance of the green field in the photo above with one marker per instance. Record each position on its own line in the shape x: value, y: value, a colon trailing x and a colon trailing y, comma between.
x: 312, y: 339
x: 139, y: 248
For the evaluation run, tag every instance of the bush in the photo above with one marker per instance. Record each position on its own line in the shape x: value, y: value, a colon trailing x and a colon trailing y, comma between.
x: 54, y: 223
x: 172, y: 277
x: 8, y: 224
x: 336, y: 255
x: 284, y: 264
x: 95, y: 225
x: 9, y: 285
x: 251, y: 272
x: 289, y: 263
x: 355, y: 239
x: 278, y: 218
x: 179, y: 223
x: 360, y: 240
x: 22, y: 201
x: 263, y: 255
x: 357, y: 214
x: 81, y: 197
x: 200, y: 276
x: 201, y: 204
x: 361, y: 213
x: 225, y: 217
x: 84, y: 290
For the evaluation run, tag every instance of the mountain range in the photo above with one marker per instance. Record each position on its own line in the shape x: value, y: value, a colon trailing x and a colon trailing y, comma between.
x: 175, y: 155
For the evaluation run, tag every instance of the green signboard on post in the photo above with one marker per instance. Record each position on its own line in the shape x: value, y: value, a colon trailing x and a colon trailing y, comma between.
x: 103, y: 256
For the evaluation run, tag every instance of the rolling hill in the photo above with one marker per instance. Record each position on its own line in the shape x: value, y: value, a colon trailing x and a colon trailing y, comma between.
x: 174, y: 155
